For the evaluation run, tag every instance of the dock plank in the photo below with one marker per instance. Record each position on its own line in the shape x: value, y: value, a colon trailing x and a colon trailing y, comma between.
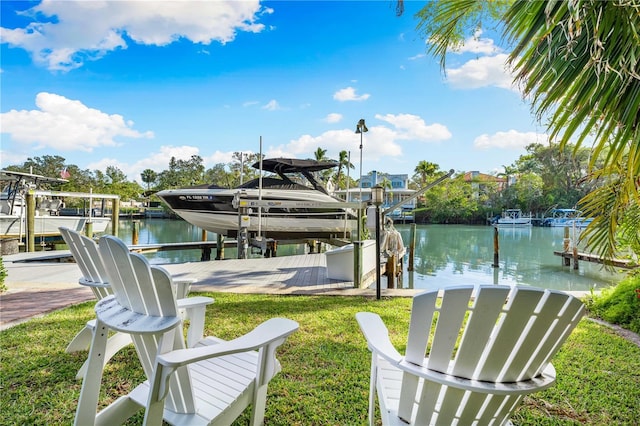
x: 593, y: 258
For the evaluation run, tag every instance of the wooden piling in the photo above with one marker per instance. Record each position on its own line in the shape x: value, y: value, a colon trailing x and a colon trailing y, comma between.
x: 115, y: 216
x: 357, y: 264
x: 135, y: 232
x: 496, y: 248
x: 220, y: 247
x: 88, y: 229
x: 31, y: 222
x: 412, y: 246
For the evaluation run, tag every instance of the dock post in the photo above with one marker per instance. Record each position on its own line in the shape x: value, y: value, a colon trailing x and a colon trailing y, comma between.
x: 220, y: 247
x: 412, y: 246
x: 115, y: 216
x: 88, y: 229
x: 391, y: 271
x: 575, y: 257
x: 31, y: 222
x: 357, y: 264
x: 135, y: 232
x: 566, y: 244
x: 243, y: 238
x: 496, y: 248
x: 206, y: 254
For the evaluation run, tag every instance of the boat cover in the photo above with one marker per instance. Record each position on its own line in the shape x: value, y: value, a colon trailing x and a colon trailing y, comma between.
x: 293, y: 165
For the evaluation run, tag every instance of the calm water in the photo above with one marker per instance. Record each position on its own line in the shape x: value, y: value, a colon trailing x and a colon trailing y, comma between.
x: 445, y: 255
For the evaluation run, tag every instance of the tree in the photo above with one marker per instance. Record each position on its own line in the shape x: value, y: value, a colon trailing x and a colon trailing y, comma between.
x: 182, y: 173
x: 343, y: 163
x: 148, y: 176
x: 424, y: 172
x: 578, y: 63
x: 218, y: 175
x: 320, y: 154
x: 528, y: 191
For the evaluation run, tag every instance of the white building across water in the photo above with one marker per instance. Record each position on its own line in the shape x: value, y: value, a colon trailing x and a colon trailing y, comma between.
x: 396, y: 190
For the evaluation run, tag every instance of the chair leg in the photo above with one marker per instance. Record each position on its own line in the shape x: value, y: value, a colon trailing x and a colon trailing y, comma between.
x: 88, y: 401
x: 82, y: 340
x: 259, y: 405
x: 372, y: 389
x: 114, y: 344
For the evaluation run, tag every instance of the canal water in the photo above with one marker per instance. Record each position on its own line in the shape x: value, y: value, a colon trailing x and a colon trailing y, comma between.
x: 445, y: 255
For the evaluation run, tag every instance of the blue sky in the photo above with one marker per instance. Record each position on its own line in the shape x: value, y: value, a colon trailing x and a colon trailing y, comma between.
x: 132, y: 83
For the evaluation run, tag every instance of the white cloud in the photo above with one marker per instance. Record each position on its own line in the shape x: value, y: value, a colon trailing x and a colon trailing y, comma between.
x: 482, y: 72
x: 11, y: 157
x: 157, y: 161
x: 378, y: 142
x: 412, y: 127
x: 272, y: 105
x: 478, y: 45
x: 349, y: 94
x: 106, y: 25
x: 66, y: 125
x: 333, y: 118
x: 511, y: 139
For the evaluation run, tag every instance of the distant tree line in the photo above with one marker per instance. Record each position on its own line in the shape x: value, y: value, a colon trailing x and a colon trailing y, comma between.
x: 545, y: 177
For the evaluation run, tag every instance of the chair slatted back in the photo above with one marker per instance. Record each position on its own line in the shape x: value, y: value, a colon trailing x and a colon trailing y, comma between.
x: 493, y: 334
x: 147, y: 290
x: 85, y: 253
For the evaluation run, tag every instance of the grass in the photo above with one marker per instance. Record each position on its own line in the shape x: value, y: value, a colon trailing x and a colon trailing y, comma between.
x: 325, y: 374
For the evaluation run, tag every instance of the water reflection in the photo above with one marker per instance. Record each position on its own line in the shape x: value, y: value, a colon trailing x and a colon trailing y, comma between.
x: 153, y: 231
x: 445, y: 255
x: 454, y: 254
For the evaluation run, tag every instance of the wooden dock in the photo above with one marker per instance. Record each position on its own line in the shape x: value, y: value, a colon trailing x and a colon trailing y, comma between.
x: 567, y: 256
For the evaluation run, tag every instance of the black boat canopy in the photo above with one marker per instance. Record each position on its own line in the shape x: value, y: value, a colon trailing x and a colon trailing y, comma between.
x: 293, y: 165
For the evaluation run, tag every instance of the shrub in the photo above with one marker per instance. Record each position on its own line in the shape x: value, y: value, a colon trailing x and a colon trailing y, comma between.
x: 620, y: 304
x: 3, y: 273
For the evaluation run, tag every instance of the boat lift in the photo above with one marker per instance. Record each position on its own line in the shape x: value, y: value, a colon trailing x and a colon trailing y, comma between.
x: 243, y: 204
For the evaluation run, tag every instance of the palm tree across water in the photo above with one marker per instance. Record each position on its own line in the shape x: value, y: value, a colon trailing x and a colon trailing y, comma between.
x: 343, y: 163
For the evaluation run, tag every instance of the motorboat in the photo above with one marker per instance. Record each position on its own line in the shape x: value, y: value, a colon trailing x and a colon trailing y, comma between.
x: 566, y: 217
x: 513, y: 217
x: 292, y: 180
x: 47, y: 217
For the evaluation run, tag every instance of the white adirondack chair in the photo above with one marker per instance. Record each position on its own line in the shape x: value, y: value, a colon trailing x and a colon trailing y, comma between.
x: 486, y: 348
x: 212, y: 383
x: 87, y: 256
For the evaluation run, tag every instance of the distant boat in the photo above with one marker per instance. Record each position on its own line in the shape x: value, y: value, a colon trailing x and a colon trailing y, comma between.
x: 566, y: 217
x: 513, y: 217
x: 47, y: 219
x: 211, y: 208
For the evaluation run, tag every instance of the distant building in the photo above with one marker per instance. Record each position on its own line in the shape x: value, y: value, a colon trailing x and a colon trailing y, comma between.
x: 479, y: 182
x: 398, y: 192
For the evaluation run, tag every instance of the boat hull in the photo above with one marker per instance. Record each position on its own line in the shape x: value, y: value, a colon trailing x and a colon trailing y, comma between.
x: 514, y: 222
x: 212, y: 210
x: 567, y: 217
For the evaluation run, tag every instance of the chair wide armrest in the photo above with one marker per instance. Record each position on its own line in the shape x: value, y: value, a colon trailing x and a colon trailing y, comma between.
x: 194, y: 302
x: 377, y: 336
x: 266, y: 333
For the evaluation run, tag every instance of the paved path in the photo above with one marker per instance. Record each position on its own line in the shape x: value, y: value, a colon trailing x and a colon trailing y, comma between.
x: 36, y: 288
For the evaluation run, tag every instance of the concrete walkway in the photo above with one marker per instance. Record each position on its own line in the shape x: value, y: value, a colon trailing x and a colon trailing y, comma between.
x: 40, y: 287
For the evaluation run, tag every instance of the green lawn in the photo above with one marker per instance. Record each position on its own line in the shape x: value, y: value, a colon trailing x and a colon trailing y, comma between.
x: 325, y: 373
